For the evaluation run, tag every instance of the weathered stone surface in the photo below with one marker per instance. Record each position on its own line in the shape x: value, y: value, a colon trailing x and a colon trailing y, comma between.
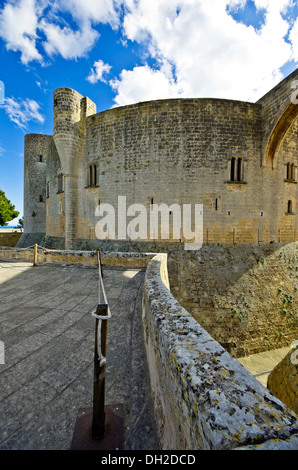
x: 283, y: 380
x: 171, y: 151
x: 204, y: 399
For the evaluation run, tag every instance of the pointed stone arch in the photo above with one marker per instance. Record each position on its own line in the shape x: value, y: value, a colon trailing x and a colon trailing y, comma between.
x: 277, y: 134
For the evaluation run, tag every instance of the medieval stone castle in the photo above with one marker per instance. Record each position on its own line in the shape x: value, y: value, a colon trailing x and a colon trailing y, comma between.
x: 238, y: 159
x: 234, y: 296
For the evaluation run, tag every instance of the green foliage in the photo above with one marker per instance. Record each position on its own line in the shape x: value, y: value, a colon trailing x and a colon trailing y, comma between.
x: 7, y: 209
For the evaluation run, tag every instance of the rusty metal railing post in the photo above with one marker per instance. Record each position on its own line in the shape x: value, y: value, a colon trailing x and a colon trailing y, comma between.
x: 35, y: 255
x: 99, y: 262
x: 98, y: 422
x: 99, y: 427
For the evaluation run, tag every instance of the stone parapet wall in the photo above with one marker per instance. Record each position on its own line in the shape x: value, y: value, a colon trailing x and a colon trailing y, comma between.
x: 86, y: 258
x: 245, y: 296
x: 204, y: 398
x: 9, y: 239
x: 283, y: 380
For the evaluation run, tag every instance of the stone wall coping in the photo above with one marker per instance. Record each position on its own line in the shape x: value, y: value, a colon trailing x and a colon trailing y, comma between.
x: 132, y: 259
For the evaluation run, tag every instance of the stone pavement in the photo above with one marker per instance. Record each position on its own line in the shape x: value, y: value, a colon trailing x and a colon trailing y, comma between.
x: 48, y: 334
x: 260, y: 365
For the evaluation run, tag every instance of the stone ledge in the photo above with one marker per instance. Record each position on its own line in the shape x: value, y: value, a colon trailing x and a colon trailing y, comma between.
x: 204, y: 398
x: 127, y: 259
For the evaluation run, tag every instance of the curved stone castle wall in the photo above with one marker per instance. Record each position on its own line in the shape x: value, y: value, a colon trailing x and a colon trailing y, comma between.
x: 35, y: 158
x: 180, y: 151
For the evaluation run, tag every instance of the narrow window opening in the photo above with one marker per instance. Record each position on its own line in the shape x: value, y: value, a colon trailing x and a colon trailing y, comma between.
x: 236, y: 173
x: 40, y: 158
x: 92, y: 175
x: 40, y: 198
x: 288, y: 171
x: 239, y: 169
x: 151, y: 201
x: 233, y: 164
x: 289, y: 207
x: 60, y: 183
x: 293, y: 172
x: 216, y: 204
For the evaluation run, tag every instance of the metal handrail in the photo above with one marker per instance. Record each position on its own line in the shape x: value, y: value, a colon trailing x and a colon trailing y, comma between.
x: 102, y: 314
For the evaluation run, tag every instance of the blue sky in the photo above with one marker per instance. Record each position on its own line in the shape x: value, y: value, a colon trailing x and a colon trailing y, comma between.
x: 120, y: 52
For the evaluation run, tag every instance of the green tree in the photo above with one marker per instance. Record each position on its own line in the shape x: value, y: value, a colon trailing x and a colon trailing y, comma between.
x: 7, y: 209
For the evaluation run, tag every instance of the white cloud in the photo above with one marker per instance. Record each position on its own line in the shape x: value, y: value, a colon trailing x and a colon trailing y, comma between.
x: 98, y: 72
x: 294, y: 39
x: 23, y: 111
x: 75, y: 40
x: 66, y: 42
x: 211, y: 53
x: 198, y: 48
x: 143, y: 83
x: 103, y: 11
x: 18, y: 23
x: 22, y: 21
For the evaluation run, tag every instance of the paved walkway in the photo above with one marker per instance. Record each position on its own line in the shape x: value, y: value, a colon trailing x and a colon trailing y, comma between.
x: 260, y: 365
x: 48, y: 334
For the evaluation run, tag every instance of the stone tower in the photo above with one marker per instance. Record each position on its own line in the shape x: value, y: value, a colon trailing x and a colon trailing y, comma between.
x: 70, y: 112
x: 35, y: 158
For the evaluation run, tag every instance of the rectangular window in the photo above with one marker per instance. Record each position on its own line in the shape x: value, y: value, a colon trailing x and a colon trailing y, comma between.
x: 290, y: 172
x: 92, y: 175
x: 60, y: 183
